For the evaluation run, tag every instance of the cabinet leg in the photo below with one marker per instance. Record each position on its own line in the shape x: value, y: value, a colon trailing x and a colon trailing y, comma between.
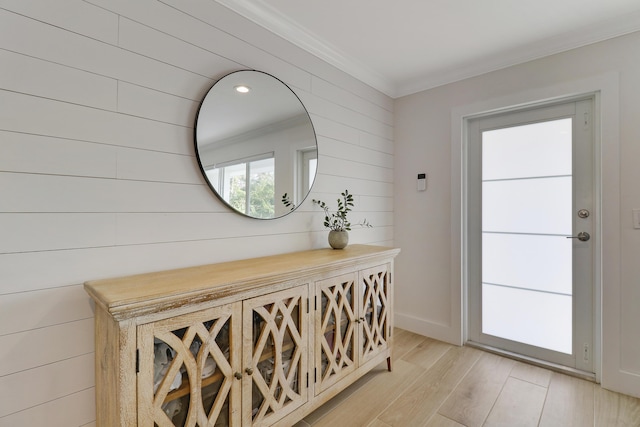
x: 389, y: 363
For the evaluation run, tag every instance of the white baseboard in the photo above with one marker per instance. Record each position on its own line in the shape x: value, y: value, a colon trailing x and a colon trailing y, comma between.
x: 428, y: 328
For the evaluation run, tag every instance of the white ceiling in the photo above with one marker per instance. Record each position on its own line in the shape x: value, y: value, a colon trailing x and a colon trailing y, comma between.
x: 404, y: 46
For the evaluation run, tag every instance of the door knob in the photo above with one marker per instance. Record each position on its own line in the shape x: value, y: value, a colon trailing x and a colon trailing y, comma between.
x: 583, y: 236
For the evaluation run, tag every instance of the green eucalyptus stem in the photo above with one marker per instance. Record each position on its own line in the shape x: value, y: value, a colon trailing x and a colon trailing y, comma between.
x: 338, y: 221
x: 287, y: 202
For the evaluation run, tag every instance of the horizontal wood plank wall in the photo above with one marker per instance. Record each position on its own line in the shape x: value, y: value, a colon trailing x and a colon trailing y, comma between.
x: 98, y: 175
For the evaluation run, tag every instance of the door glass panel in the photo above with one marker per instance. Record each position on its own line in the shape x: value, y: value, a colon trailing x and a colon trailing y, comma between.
x: 540, y: 263
x: 539, y: 149
x: 532, y: 205
x: 526, y: 215
x: 531, y: 317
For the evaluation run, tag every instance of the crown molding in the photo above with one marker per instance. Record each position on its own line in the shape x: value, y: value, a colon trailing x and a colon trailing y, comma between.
x: 268, y: 17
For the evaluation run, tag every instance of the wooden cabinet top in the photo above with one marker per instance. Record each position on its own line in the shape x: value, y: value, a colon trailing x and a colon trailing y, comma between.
x: 131, y: 296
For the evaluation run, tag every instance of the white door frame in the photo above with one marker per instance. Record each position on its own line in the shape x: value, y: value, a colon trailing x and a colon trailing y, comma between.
x: 607, y: 320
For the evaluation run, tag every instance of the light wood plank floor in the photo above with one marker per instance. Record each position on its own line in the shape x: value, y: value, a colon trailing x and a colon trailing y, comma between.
x: 434, y: 384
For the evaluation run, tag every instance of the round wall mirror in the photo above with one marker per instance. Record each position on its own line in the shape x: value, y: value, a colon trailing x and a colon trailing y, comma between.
x: 256, y: 145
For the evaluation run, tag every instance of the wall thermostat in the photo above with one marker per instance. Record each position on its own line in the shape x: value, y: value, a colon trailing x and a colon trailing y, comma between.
x: 422, y: 182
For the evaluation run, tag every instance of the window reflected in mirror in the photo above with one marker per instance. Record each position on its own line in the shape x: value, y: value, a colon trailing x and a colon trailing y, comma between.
x: 255, y: 196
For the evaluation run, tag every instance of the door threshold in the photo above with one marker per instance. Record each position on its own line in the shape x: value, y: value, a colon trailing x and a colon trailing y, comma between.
x: 536, y: 362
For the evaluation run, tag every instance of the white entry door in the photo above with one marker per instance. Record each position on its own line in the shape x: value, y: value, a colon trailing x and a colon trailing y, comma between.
x: 530, y: 233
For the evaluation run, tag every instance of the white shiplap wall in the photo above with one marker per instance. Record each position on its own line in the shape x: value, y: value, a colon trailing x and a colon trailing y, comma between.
x: 98, y: 176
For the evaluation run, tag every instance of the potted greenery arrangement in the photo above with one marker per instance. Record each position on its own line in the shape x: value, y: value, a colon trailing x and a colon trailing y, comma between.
x: 337, y: 222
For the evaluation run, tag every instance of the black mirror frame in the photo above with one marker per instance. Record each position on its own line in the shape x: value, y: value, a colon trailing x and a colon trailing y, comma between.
x: 200, y: 163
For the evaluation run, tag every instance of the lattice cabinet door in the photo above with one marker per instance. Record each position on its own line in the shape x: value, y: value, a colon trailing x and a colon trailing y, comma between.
x: 275, y: 344
x: 335, y: 329
x: 375, y: 295
x: 187, y: 369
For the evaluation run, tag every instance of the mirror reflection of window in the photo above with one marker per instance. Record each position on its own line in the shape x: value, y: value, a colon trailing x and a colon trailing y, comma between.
x: 254, y: 196
x: 308, y: 165
x: 261, y: 188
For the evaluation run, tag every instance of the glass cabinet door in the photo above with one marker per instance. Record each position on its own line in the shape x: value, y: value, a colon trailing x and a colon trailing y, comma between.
x: 276, y: 336
x: 186, y: 370
x: 335, y: 329
x: 375, y: 311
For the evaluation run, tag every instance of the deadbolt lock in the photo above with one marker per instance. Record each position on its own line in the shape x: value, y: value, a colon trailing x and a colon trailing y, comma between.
x: 583, y: 213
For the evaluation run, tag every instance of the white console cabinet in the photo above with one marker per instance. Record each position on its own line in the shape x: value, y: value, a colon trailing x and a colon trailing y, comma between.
x: 258, y: 342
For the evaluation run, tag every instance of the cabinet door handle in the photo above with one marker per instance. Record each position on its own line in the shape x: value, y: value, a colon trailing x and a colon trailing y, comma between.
x: 249, y: 371
x: 238, y: 375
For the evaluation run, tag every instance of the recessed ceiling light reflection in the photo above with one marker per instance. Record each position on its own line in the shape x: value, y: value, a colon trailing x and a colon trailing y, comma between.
x: 242, y: 89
